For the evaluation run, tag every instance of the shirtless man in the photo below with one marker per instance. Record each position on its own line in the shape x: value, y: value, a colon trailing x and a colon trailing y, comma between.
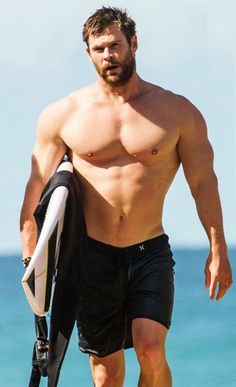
x: 126, y: 139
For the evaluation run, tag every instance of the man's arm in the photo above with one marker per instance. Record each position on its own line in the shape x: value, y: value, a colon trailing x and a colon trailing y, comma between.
x: 196, y: 155
x: 47, y: 154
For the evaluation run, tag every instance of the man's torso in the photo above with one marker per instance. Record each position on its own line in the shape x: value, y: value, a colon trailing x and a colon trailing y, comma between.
x: 126, y: 156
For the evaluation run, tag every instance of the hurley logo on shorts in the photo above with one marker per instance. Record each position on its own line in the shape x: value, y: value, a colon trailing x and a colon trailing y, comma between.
x: 141, y: 247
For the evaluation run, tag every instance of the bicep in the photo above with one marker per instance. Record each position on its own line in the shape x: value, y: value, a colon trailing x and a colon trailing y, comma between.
x: 195, y: 152
x: 49, y: 147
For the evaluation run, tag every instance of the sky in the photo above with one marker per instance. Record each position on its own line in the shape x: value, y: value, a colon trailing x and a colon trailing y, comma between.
x: 187, y: 46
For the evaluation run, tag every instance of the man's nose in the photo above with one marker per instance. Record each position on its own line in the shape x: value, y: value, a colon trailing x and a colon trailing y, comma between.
x: 107, y: 53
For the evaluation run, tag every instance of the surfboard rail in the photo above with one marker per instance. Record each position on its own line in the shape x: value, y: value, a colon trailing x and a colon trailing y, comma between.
x: 39, y: 276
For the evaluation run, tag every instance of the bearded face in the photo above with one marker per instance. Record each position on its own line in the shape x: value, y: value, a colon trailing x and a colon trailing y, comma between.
x: 117, y: 73
x: 113, y: 55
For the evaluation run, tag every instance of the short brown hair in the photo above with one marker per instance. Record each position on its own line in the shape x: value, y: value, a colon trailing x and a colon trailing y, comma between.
x: 106, y: 16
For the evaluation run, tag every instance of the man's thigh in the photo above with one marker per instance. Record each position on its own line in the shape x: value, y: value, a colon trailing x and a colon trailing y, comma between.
x: 148, y: 334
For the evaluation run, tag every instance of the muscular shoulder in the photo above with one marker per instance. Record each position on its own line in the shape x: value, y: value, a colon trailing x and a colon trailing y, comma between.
x: 55, y: 115
x: 186, y: 114
x: 189, y: 114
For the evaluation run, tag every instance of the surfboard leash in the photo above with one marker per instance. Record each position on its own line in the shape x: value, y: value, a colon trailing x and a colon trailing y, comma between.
x: 41, y: 346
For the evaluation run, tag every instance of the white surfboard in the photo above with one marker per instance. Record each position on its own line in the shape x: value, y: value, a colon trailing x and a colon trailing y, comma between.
x: 39, y: 276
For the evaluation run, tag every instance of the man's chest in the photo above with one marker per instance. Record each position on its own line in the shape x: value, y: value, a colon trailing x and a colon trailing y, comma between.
x: 109, y: 133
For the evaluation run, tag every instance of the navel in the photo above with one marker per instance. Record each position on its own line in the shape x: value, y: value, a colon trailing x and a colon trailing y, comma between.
x: 90, y: 154
x: 154, y: 151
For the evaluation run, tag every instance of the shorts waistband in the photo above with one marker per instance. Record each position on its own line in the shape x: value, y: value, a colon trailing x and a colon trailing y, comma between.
x: 158, y: 243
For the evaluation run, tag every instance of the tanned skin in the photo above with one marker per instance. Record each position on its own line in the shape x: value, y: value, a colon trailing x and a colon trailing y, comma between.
x: 126, y: 141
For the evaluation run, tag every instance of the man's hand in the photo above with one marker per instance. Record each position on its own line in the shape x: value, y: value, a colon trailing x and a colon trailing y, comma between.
x: 218, y: 275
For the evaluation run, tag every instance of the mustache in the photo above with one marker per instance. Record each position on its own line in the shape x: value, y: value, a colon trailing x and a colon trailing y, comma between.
x: 110, y: 64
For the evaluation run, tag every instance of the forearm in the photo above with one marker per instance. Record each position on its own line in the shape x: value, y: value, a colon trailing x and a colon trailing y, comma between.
x: 28, y: 227
x: 208, y: 205
x: 218, y: 275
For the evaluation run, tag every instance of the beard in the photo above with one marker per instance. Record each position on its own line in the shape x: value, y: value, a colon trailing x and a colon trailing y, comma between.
x: 127, y: 66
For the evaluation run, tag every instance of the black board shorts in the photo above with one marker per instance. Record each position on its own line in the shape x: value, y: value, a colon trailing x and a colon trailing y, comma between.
x: 124, y: 284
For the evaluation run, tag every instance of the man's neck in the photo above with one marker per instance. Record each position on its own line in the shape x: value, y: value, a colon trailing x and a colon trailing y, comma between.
x: 124, y: 93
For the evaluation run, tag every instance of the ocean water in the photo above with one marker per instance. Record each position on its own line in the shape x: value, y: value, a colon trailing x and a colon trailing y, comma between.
x: 201, y: 345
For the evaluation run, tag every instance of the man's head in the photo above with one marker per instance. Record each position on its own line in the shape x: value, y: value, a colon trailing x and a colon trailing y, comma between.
x: 111, y: 44
x: 105, y: 17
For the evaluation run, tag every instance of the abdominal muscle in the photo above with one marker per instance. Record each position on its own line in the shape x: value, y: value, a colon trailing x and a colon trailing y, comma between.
x: 123, y: 203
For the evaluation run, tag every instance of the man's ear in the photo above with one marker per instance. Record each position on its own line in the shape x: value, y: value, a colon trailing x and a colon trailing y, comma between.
x: 88, y: 52
x: 134, y: 43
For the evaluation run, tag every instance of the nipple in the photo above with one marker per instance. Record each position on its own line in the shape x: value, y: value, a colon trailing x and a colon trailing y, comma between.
x: 90, y: 154
x: 154, y: 151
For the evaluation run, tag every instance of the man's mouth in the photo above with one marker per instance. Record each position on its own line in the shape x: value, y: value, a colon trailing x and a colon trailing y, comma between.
x: 111, y: 67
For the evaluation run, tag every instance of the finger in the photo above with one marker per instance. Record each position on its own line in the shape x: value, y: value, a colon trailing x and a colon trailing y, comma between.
x: 230, y: 281
x: 221, y: 291
x: 207, y: 278
x: 212, y: 288
x: 223, y: 287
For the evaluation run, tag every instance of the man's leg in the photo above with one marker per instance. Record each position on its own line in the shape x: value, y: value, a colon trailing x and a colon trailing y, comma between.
x: 108, y: 371
x: 149, y: 342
